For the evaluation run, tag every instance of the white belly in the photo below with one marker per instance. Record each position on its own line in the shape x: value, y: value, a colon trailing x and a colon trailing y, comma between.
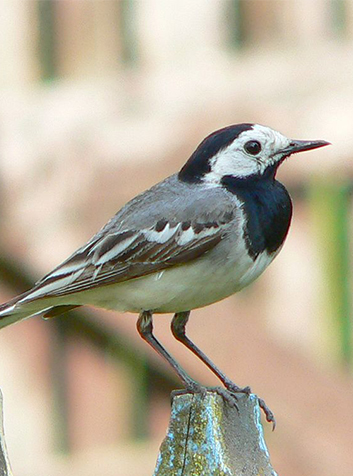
x: 179, y: 289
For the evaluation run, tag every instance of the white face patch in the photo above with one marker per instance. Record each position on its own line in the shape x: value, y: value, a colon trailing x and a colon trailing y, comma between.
x: 234, y: 160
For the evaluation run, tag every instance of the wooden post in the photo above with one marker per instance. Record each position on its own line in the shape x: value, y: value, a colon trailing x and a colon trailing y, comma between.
x: 5, y: 468
x: 207, y: 436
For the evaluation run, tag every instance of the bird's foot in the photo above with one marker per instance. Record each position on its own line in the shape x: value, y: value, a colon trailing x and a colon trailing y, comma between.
x: 268, y: 413
x: 227, y: 396
x: 234, y: 389
x: 191, y: 386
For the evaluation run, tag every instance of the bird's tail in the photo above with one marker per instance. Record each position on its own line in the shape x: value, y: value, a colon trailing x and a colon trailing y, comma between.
x: 16, y: 310
x: 12, y: 311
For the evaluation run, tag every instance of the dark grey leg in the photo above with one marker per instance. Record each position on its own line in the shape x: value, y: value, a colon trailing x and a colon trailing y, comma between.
x: 178, y: 327
x: 145, y: 329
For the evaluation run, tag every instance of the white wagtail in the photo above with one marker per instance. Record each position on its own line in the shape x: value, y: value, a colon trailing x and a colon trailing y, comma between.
x: 195, y: 238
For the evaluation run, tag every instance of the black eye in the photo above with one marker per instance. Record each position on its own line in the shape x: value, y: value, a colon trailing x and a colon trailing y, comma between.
x: 252, y: 147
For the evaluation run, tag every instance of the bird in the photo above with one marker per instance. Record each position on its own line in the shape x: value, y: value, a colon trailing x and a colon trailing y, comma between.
x: 195, y: 238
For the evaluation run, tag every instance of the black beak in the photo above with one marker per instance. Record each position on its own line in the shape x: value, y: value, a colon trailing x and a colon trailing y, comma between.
x: 302, y: 145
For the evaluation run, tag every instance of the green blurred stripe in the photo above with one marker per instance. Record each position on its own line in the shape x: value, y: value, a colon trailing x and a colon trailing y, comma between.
x: 46, y: 46
x: 339, y: 16
x: 234, y: 19
x: 128, y: 29
x: 331, y: 210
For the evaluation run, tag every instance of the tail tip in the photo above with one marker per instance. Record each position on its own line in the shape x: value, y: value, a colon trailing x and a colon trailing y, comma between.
x: 7, y: 310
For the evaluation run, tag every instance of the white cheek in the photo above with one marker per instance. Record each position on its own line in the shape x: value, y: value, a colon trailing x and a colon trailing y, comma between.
x: 231, y: 162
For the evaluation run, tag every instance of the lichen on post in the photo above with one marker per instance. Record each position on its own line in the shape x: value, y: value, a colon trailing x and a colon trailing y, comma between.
x: 207, y: 436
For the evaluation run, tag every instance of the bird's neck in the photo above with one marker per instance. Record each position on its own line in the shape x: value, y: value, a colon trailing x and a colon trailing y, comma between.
x: 268, y: 211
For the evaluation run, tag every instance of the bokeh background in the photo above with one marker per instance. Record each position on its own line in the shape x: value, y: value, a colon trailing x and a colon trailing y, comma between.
x: 99, y: 99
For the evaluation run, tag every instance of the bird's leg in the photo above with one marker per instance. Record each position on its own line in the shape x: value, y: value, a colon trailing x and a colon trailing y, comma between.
x: 178, y: 327
x: 145, y: 329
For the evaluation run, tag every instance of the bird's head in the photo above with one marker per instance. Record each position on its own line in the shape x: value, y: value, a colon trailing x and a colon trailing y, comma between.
x: 241, y: 150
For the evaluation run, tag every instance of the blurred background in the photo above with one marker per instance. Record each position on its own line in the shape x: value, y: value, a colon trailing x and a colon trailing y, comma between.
x: 100, y: 99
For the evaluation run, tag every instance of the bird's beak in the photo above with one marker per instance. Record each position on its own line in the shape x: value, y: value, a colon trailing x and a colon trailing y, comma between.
x: 302, y: 145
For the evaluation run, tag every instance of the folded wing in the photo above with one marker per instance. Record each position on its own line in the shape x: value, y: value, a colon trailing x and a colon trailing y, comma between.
x: 125, y: 255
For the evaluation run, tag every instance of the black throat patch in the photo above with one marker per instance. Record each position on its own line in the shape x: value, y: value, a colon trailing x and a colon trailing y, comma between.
x: 268, y: 211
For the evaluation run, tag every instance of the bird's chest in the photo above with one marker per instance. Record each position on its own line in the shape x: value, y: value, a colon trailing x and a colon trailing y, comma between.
x: 267, y: 210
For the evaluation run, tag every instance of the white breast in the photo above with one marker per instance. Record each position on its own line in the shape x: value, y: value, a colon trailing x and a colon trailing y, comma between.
x: 181, y: 288
x: 257, y: 268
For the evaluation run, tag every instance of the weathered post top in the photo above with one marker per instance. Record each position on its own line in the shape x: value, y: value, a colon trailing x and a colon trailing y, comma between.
x: 209, y: 437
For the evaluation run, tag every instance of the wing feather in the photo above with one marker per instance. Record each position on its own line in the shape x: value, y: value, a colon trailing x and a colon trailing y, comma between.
x: 130, y: 254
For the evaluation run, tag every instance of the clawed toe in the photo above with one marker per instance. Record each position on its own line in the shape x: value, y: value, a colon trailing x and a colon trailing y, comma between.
x: 192, y: 387
x: 235, y: 389
x: 268, y: 413
x: 228, y: 394
x: 229, y: 397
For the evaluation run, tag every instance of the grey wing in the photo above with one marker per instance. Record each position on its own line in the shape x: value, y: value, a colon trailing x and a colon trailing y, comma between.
x: 120, y: 252
x: 127, y: 255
